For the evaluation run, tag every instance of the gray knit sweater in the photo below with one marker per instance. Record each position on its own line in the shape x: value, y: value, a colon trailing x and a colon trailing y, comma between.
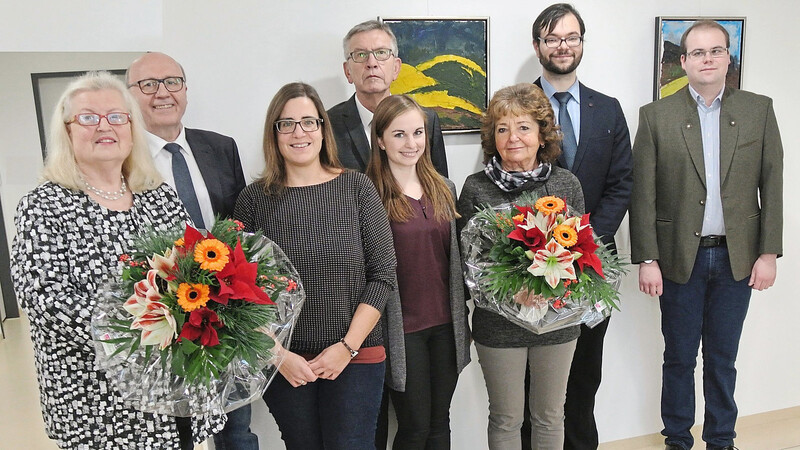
x: 491, y: 329
x: 338, y: 237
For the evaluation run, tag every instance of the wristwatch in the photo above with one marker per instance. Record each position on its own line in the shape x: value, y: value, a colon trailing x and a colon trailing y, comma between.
x: 353, y: 353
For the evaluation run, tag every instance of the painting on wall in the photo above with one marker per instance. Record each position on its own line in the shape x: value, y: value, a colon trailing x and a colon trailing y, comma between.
x: 669, y: 75
x: 445, y: 67
x: 47, y: 89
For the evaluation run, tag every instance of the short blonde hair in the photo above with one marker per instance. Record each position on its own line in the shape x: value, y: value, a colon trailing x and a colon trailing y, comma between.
x: 60, y: 166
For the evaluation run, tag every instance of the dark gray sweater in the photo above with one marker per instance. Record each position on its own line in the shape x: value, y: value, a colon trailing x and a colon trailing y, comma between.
x: 488, y: 328
x: 338, y: 238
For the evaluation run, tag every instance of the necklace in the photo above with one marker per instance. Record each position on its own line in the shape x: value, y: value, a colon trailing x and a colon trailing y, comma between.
x: 108, y: 195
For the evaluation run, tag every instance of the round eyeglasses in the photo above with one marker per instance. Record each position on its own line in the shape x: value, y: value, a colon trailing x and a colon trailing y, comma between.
x: 380, y: 54
x: 150, y: 85
x: 286, y: 126
x: 91, y: 119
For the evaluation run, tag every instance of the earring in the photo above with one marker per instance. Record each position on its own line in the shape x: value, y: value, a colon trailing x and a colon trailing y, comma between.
x: 541, y: 145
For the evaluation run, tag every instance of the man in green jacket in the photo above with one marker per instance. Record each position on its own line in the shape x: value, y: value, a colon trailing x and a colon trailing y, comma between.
x: 706, y: 227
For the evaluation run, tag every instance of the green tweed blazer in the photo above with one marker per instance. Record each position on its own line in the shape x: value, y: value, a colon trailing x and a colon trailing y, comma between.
x: 669, y: 189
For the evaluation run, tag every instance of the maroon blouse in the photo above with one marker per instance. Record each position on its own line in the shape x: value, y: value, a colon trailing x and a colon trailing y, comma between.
x: 422, y: 246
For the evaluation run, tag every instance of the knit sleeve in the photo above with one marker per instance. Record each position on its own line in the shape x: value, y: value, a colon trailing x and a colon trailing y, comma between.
x: 379, y: 256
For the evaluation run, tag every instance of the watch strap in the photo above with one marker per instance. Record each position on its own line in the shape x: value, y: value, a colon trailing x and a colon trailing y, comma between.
x: 353, y: 353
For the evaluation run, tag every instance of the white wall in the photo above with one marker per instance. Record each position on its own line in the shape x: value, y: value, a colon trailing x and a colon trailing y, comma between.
x: 238, y: 54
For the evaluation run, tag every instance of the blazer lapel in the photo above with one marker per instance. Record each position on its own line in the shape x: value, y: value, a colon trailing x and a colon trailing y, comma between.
x: 692, y: 136
x: 728, y: 138
x: 587, y: 111
x: 356, y: 130
x: 206, y: 162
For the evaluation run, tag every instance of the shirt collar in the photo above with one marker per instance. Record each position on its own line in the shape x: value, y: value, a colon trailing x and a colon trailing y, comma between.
x: 701, y: 102
x: 549, y: 90
x: 364, y: 113
x: 156, y: 143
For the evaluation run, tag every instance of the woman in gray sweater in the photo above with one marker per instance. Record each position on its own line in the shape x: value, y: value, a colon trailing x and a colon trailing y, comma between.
x: 332, y: 226
x: 520, y: 143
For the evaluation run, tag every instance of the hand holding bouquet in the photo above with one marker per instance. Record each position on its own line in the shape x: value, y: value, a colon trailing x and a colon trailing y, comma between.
x: 539, y: 265
x: 191, y: 326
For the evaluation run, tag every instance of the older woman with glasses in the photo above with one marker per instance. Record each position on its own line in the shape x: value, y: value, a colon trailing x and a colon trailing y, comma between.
x: 100, y: 188
x: 520, y: 143
x: 332, y: 226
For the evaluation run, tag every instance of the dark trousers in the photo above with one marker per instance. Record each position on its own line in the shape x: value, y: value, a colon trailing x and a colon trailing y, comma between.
x: 580, y: 428
x: 423, y: 410
x: 338, y: 414
x: 710, y: 307
x: 184, y: 425
x: 237, y: 435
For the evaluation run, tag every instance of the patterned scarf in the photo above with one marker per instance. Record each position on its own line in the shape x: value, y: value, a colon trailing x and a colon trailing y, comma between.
x: 509, y: 181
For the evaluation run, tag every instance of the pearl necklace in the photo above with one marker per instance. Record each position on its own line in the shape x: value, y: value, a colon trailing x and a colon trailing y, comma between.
x: 108, y: 195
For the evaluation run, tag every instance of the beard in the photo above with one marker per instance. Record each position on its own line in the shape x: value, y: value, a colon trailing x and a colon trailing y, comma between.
x: 548, y: 64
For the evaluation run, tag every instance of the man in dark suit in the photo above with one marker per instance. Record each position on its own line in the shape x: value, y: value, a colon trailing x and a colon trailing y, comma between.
x: 597, y: 149
x: 208, y: 180
x: 706, y: 227
x: 371, y: 64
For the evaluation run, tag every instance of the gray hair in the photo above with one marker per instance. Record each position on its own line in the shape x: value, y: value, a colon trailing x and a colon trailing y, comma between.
x: 369, y: 25
x: 60, y: 165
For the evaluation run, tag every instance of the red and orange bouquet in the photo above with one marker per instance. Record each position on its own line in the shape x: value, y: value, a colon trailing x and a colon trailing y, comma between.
x: 539, y: 265
x: 195, y: 318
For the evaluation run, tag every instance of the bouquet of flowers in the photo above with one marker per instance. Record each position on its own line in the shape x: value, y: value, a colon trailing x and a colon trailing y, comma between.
x: 539, y: 265
x: 192, y: 325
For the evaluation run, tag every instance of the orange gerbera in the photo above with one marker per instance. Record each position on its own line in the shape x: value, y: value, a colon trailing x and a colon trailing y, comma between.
x: 192, y: 296
x: 212, y: 254
x: 550, y: 205
x: 179, y: 243
x: 565, y: 235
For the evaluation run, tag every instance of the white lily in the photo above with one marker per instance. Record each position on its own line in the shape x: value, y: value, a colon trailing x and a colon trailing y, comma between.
x: 554, y: 262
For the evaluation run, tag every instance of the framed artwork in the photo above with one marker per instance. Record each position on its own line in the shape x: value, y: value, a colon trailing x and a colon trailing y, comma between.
x: 47, y: 89
x: 445, y: 67
x: 669, y: 76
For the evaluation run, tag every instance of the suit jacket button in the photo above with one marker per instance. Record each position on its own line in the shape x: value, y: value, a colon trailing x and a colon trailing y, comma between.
x: 697, y: 233
x: 688, y: 125
x: 702, y: 202
x: 733, y: 123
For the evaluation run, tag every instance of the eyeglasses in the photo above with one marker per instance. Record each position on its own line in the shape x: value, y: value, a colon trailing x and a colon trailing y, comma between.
x: 380, y: 54
x: 554, y: 42
x: 150, y: 85
x: 91, y: 119
x: 287, y: 126
x: 716, y: 52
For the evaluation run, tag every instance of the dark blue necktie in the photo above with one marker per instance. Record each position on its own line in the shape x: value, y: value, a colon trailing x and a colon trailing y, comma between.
x: 183, y: 183
x: 569, y: 145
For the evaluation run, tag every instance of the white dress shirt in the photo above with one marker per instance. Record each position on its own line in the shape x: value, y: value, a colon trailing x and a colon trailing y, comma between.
x: 366, y: 119
x: 163, y: 162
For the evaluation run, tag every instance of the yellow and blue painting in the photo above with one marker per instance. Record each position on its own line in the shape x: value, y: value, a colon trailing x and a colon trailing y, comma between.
x: 444, y: 67
x: 670, y: 76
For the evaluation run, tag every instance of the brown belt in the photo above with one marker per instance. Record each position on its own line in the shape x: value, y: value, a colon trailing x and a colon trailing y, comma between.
x: 712, y: 241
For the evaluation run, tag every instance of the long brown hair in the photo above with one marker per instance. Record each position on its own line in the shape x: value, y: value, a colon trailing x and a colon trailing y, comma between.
x: 433, y: 185
x: 273, y: 178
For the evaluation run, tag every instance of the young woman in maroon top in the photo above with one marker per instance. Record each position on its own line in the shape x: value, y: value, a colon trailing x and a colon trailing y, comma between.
x: 421, y: 208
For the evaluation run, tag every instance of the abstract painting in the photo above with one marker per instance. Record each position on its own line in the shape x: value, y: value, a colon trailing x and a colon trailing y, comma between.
x: 445, y: 67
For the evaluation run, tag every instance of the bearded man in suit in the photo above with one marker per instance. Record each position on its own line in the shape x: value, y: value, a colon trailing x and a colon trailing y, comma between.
x: 706, y: 227
x: 204, y: 168
x: 371, y: 64
x: 597, y: 149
